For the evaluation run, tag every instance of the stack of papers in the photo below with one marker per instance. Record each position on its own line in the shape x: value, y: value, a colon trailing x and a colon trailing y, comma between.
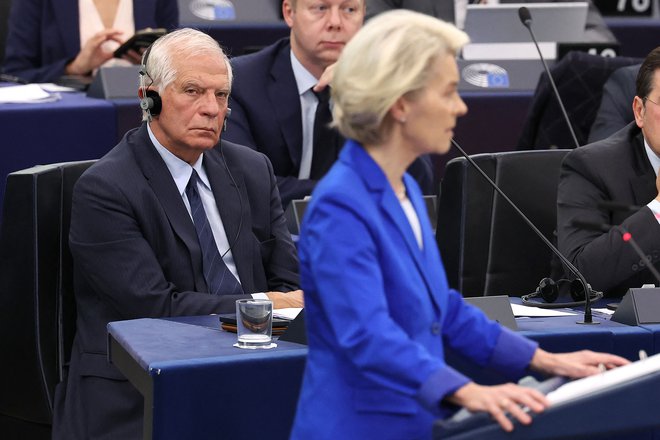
x: 288, y: 313
x: 29, y: 93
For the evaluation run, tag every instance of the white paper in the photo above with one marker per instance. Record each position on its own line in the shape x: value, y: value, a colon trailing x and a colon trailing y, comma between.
x: 25, y: 94
x: 588, y: 385
x: 55, y: 88
x: 520, y: 310
x: 604, y: 310
x: 287, y: 313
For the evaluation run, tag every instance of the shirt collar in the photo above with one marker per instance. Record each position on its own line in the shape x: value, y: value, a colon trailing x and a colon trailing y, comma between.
x: 653, y: 158
x: 304, y: 79
x: 179, y: 169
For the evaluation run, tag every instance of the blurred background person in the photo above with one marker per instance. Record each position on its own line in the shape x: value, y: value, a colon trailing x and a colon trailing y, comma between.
x: 379, y: 312
x: 280, y: 103
x: 48, y: 39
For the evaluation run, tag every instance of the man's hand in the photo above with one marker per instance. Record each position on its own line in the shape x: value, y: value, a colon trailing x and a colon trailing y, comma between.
x: 282, y: 300
x: 325, y: 79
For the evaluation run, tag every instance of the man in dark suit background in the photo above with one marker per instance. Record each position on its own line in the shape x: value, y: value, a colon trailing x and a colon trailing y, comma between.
x: 616, y: 110
x: 165, y: 218
x: 622, y: 168
x: 274, y: 100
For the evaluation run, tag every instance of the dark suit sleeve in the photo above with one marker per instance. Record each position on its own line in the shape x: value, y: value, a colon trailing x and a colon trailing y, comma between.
x: 604, y: 258
x: 118, y: 263
x: 22, y: 56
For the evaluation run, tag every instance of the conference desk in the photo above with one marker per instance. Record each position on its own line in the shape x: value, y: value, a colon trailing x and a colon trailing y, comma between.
x: 73, y: 128
x: 196, y: 385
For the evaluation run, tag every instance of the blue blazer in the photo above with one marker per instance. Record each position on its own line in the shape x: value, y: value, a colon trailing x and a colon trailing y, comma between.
x: 136, y: 255
x: 266, y: 116
x: 44, y: 35
x: 379, y: 313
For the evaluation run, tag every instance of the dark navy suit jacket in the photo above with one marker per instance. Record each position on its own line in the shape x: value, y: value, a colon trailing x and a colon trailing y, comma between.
x: 44, y: 35
x: 266, y: 116
x: 614, y: 169
x: 136, y: 255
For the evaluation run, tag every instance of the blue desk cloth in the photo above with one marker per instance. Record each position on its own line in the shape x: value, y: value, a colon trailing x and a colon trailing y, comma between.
x: 203, y: 387
x: 73, y: 128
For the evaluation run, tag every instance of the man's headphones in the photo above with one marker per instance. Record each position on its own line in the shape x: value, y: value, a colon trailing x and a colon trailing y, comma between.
x: 150, y: 101
x: 548, y: 289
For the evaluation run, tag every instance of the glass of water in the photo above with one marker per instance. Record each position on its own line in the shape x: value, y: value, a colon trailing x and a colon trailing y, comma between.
x: 254, y: 323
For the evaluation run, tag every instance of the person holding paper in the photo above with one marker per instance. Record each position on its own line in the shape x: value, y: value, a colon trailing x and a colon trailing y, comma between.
x: 379, y: 312
x: 51, y: 38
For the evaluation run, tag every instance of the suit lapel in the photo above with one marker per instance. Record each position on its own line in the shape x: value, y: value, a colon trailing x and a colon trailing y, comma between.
x: 284, y: 98
x: 643, y: 183
x: 161, y: 183
x: 67, y: 18
x: 233, y: 205
x: 375, y: 180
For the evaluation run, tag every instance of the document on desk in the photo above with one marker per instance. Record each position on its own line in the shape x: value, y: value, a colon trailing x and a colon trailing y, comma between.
x: 289, y: 313
x: 520, y: 310
x: 599, y: 382
x: 29, y: 93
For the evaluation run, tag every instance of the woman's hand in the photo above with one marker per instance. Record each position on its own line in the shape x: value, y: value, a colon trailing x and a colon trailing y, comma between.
x: 92, y: 55
x: 575, y: 364
x: 499, y: 400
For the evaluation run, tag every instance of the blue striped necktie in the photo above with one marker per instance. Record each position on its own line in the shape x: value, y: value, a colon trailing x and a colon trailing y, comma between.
x: 218, y: 277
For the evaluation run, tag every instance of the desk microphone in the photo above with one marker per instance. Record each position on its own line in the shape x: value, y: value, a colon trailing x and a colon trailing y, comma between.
x: 625, y: 236
x: 526, y: 19
x: 588, y: 319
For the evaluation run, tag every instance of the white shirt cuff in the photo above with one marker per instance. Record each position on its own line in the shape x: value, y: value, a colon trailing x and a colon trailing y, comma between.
x: 654, y: 206
x: 261, y: 295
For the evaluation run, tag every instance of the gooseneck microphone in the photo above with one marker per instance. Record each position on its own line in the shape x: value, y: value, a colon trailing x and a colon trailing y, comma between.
x: 526, y: 19
x: 625, y: 236
x: 588, y: 318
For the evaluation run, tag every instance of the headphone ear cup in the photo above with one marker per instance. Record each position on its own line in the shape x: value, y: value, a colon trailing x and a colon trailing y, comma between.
x: 156, y: 104
x: 548, y: 290
x: 577, y: 291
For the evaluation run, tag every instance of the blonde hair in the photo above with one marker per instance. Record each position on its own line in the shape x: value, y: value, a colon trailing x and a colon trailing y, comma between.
x: 388, y: 58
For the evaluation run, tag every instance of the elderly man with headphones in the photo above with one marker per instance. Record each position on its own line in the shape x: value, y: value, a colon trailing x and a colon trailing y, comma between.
x: 171, y: 222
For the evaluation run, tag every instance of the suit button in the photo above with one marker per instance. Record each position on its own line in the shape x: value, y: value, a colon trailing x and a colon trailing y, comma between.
x: 435, y: 328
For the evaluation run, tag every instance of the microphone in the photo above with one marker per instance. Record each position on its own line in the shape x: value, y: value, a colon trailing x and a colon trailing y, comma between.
x: 588, y: 318
x: 526, y: 19
x: 625, y: 236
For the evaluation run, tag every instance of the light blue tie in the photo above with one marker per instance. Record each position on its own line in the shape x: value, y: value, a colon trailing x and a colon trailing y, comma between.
x: 218, y: 277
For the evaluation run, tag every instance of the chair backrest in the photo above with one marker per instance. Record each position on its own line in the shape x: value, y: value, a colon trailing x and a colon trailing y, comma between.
x: 37, y: 307
x: 486, y: 248
x: 579, y: 77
